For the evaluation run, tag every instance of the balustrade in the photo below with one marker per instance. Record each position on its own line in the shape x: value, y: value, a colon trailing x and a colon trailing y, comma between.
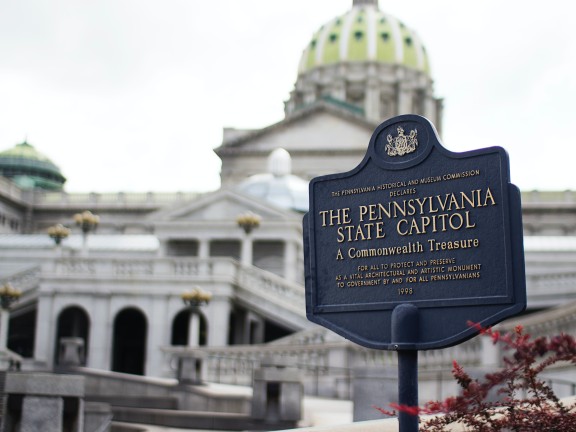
x: 25, y: 279
x: 270, y: 286
x: 320, y: 369
x: 133, y: 267
x: 268, y: 293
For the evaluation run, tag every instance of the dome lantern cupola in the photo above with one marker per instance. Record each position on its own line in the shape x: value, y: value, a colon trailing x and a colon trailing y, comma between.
x: 278, y: 186
x: 280, y: 163
x: 365, y: 2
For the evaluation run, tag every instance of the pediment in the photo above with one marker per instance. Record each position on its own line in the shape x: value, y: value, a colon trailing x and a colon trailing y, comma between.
x: 321, y: 129
x: 222, y: 205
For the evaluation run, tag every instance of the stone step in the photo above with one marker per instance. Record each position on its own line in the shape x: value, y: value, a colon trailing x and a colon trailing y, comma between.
x: 166, y: 403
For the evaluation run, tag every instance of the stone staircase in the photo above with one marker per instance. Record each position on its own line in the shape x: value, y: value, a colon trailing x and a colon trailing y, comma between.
x: 272, y: 296
x: 169, y: 403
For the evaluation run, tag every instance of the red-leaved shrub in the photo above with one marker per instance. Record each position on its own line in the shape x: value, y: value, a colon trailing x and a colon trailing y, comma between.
x: 525, y: 401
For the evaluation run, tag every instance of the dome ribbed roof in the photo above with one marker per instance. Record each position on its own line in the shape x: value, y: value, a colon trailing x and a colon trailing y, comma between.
x: 365, y: 34
x: 29, y: 168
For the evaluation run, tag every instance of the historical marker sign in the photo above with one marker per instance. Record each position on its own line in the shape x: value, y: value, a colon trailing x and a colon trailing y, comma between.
x: 414, y: 224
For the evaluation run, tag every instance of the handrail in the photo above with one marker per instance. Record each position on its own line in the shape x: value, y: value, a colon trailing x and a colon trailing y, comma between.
x: 235, y: 364
x: 23, y: 279
x: 271, y: 287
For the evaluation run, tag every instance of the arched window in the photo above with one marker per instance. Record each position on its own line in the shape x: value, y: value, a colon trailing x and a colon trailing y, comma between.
x: 129, y: 342
x: 73, y: 322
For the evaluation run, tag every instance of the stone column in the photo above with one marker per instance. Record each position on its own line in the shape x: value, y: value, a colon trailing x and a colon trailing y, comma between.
x: 338, y: 90
x: 162, y: 248
x: 218, y: 313
x: 309, y: 94
x: 85, y: 250
x: 430, y: 108
x: 203, y: 249
x: 100, y: 345
x: 404, y: 100
x: 4, y: 315
x: 157, y: 336
x: 254, y: 328
x: 290, y: 260
x: 194, y: 329
x: 45, y: 334
x: 204, y: 254
x: 372, y: 100
x: 246, y: 252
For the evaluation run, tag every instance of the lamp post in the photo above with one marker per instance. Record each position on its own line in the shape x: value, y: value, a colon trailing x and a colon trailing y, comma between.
x: 194, y: 300
x: 8, y: 296
x: 87, y: 221
x: 248, y: 222
x: 58, y: 233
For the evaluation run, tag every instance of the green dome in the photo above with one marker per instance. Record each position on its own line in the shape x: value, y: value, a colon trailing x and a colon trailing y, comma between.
x: 365, y: 34
x: 29, y: 168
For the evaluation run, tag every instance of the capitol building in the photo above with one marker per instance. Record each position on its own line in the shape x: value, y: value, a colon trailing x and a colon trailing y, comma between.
x: 209, y: 287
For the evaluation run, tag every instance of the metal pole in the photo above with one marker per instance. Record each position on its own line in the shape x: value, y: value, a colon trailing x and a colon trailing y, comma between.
x: 405, y: 329
x: 408, y: 388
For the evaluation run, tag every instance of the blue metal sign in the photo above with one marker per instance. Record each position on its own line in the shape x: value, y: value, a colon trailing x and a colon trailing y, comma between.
x: 414, y: 224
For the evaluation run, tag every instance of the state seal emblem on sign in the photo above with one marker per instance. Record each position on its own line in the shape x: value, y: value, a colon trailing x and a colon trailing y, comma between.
x: 402, y: 144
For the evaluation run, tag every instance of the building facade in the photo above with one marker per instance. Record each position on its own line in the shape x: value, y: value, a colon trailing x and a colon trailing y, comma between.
x: 118, y: 290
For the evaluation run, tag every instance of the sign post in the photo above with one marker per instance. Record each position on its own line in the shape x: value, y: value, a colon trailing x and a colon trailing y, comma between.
x: 405, y: 330
x: 411, y: 245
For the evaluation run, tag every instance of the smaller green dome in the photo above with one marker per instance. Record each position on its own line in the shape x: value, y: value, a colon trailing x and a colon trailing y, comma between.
x: 29, y: 168
x: 365, y: 34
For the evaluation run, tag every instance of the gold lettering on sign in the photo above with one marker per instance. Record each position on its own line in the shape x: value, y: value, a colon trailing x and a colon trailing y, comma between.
x: 403, y: 184
x: 412, y: 216
x: 417, y: 274
x: 393, y: 231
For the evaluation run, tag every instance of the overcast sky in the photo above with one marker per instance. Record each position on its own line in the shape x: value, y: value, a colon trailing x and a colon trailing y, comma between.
x: 132, y: 95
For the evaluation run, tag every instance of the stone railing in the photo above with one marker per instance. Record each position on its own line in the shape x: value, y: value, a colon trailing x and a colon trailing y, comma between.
x: 262, y: 285
x: 269, y: 294
x: 466, y: 353
x: 553, y: 321
x: 326, y: 366
x: 236, y: 365
x: 548, y: 197
x: 118, y: 199
x: 545, y: 289
x: 24, y: 279
x: 144, y: 268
